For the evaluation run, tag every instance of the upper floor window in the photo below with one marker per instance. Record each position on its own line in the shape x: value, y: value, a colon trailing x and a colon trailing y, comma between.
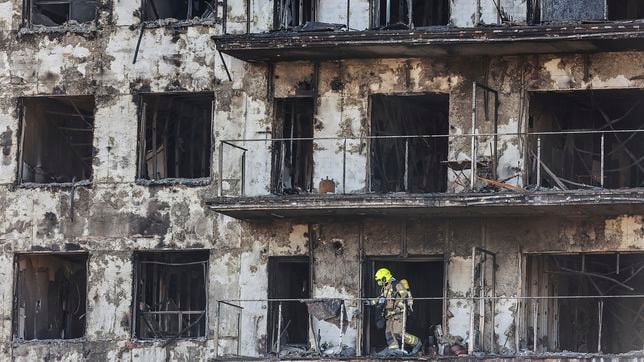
x: 545, y: 11
x: 178, y: 9
x: 56, y: 139
x: 175, y: 135
x: 292, y: 13
x: 410, y: 13
x: 58, y: 12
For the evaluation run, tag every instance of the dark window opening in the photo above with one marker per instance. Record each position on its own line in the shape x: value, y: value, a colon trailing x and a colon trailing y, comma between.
x: 414, y: 164
x: 293, y: 153
x: 625, y: 9
x: 175, y: 136
x: 575, y: 159
x: 562, y: 11
x: 425, y: 277
x: 569, y: 324
x: 171, y: 294
x: 178, y: 9
x: 51, y: 294
x: 397, y: 14
x: 58, y: 12
x: 292, y: 13
x: 288, y: 278
x: 56, y: 139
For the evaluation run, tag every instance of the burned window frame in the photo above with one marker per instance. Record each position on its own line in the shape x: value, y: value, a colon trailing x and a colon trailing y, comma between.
x: 22, y: 115
x: 29, y: 5
x: 140, y: 99
x: 279, y: 21
x: 535, y: 13
x: 16, y: 298
x: 377, y: 23
x: 189, y: 12
x: 137, y: 274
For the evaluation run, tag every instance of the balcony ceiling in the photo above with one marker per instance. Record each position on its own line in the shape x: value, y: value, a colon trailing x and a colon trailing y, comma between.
x: 303, y: 207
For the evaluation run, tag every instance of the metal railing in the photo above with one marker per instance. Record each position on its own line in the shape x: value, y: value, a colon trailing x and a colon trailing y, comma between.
x: 531, y: 145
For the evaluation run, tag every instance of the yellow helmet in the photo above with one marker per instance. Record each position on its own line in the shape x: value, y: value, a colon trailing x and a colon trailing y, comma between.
x: 383, y: 275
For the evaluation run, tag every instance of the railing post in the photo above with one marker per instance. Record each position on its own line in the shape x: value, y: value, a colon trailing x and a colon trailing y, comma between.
x: 243, y: 173
x: 279, y: 328
x: 217, y: 329
x: 406, y: 173
x: 538, y: 162
x: 344, y: 167
x: 239, y: 331
x: 473, y: 151
x: 221, y: 168
x: 470, y: 343
x: 341, y: 326
x: 603, y: 154
x: 600, y: 307
x: 535, y: 313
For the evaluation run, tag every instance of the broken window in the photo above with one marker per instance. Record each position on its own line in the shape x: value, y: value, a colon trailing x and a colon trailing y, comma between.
x: 56, y: 139
x: 175, y: 135
x: 293, y: 151
x: 292, y: 13
x: 410, y: 13
x: 579, y: 154
x: 625, y: 9
x: 288, y: 278
x: 409, y: 163
x: 51, y: 293
x: 567, y: 10
x: 58, y: 12
x: 425, y: 277
x: 170, y: 294
x: 611, y: 325
x: 180, y: 10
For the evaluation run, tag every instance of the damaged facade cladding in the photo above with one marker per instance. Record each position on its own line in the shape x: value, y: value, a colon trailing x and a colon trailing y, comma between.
x: 116, y: 214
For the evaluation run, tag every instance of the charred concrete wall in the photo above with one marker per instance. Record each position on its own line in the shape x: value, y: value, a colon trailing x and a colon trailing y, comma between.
x: 115, y: 215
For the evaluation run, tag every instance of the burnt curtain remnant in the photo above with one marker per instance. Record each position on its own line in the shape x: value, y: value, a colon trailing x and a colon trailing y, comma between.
x: 293, y: 149
x: 51, y: 294
x: 402, y: 160
x: 175, y: 135
x: 171, y: 294
x: 56, y: 139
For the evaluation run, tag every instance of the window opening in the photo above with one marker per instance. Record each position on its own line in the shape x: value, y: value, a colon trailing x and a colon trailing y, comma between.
x: 576, y: 324
x: 425, y: 277
x: 288, y: 278
x: 293, y: 13
x: 625, y: 9
x: 575, y: 159
x: 58, y: 12
x: 415, y: 164
x: 394, y: 14
x: 171, y: 294
x: 180, y: 10
x: 561, y: 11
x: 293, y: 154
x: 56, y: 140
x: 175, y: 135
x: 51, y: 294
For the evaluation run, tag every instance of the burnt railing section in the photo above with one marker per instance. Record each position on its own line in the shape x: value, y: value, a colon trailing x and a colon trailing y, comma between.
x: 601, y: 159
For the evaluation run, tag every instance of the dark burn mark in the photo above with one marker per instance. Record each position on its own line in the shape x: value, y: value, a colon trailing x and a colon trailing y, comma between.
x: 6, y: 141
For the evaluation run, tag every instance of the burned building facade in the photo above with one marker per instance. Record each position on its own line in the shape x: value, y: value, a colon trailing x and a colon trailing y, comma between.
x: 188, y: 180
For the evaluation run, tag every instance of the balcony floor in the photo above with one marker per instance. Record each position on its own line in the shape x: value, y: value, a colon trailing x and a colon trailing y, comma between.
x: 569, y: 203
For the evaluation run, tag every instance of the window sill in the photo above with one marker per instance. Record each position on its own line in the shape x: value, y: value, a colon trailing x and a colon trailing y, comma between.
x: 202, y: 181
x: 79, y: 340
x: 54, y: 185
x: 71, y: 27
x: 176, y: 23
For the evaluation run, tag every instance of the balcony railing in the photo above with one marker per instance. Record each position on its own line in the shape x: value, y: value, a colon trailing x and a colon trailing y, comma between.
x: 561, y: 160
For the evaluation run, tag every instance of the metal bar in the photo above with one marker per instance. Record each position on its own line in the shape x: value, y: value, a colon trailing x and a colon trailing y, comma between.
x: 247, y: 16
x: 406, y: 172
x: 154, y: 140
x: 344, y: 167
x: 617, y: 264
x: 410, y: 13
x: 600, y: 306
x: 341, y: 326
x: 481, y: 327
x: 388, y: 17
x: 404, y: 326
x: 279, y: 328
x: 493, y: 303
x: 348, y: 13
x: 239, y: 332
x: 473, y: 146
x: 230, y: 304
x: 243, y: 173
x: 234, y: 145
x: 22, y: 141
x: 171, y: 312
x: 538, y: 162
x: 470, y: 344
x: 535, y: 312
x: 221, y: 168
x: 602, y: 161
x: 221, y: 56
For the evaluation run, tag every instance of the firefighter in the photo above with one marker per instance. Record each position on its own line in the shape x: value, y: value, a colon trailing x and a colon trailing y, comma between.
x: 394, y: 297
